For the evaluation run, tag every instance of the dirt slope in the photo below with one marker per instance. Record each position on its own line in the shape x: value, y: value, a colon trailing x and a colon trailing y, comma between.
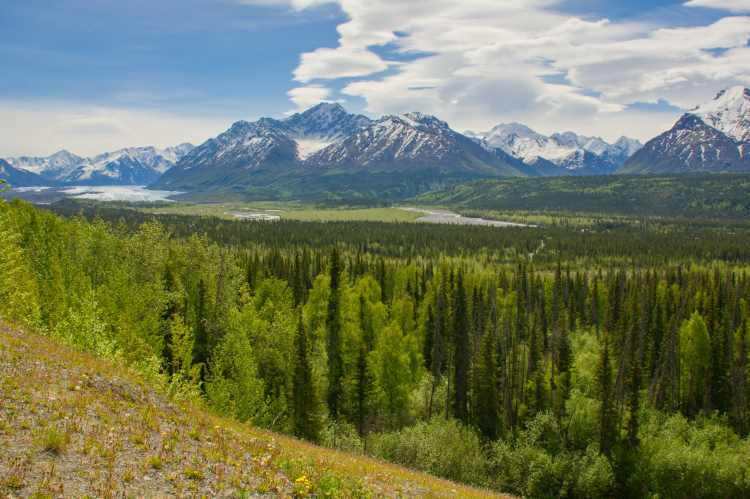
x: 72, y: 425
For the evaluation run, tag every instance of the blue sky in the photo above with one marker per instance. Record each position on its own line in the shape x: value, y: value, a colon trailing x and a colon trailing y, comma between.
x: 94, y: 75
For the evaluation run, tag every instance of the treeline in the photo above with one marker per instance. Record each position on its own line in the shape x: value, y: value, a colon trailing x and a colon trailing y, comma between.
x: 640, y: 244
x: 712, y: 195
x: 543, y: 380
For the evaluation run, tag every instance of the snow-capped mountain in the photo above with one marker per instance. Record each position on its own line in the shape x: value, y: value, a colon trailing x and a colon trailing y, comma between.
x: 713, y: 137
x: 320, y: 126
x: 729, y: 113
x: 60, y: 164
x: 21, y: 178
x: 576, y: 154
x: 131, y: 166
x: 412, y: 142
x: 255, y: 153
x: 245, y: 150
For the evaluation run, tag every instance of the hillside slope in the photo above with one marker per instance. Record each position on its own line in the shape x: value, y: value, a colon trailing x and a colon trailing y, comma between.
x: 72, y: 425
x: 708, y: 195
x: 21, y: 178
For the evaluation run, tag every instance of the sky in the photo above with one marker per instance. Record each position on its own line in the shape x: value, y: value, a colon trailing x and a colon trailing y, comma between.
x: 92, y: 76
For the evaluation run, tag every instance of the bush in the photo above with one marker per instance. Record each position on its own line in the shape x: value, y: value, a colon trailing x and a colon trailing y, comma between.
x: 342, y: 436
x: 83, y: 328
x: 699, y: 459
x: 441, y: 448
x: 536, y: 464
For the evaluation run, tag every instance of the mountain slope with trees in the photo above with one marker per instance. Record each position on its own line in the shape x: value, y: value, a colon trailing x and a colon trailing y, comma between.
x: 696, y: 196
x: 392, y: 340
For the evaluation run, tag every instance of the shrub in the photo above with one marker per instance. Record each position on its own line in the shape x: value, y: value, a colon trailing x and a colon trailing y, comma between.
x: 342, y: 436
x: 536, y: 464
x: 443, y: 448
x: 692, y: 459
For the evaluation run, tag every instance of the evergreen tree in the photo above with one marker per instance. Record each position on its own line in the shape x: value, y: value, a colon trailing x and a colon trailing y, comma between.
x: 306, y: 404
x: 462, y: 337
x: 382, y: 282
x: 363, y: 389
x: 487, y: 410
x: 201, y: 347
x: 333, y: 326
x: 633, y: 405
x: 607, y: 419
x: 438, y: 343
x: 297, y: 286
x: 740, y: 379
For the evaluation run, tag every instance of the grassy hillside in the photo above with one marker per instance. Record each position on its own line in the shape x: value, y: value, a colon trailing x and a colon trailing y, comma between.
x: 73, y: 425
x: 692, y: 196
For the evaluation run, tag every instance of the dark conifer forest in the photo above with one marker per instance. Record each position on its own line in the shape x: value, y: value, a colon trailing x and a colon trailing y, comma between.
x: 547, y: 361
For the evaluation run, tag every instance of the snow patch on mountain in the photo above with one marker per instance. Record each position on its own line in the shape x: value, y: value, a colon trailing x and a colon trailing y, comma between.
x: 320, y: 126
x: 308, y: 147
x: 729, y: 113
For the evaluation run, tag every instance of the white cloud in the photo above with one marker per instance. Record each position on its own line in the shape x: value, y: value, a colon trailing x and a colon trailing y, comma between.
x: 338, y: 63
x: 43, y: 129
x: 736, y: 6
x: 306, y: 97
x: 494, y: 61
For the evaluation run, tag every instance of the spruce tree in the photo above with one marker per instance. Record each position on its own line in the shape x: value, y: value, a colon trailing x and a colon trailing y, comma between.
x: 306, y: 403
x: 438, y: 343
x: 333, y: 326
x: 382, y: 283
x: 633, y: 405
x: 487, y: 410
x: 201, y: 345
x: 607, y: 419
x: 297, y: 287
x: 740, y: 381
x: 461, y: 335
x: 363, y: 389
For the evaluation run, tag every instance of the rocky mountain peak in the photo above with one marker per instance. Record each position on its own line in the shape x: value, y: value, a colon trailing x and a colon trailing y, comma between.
x: 728, y: 112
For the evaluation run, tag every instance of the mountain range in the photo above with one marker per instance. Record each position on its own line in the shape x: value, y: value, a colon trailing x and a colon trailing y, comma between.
x: 713, y: 137
x: 558, y: 154
x: 326, y: 150
x: 132, y: 166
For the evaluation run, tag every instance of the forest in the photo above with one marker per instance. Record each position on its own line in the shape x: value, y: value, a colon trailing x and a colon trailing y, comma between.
x: 688, y: 196
x: 544, y: 361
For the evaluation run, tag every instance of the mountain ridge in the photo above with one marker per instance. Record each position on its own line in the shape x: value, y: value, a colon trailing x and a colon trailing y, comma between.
x: 398, y: 155
x: 712, y: 137
x: 128, y: 166
x: 575, y: 154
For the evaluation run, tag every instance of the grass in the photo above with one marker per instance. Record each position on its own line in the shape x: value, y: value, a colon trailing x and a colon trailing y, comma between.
x: 109, y: 433
x: 55, y: 440
x: 292, y: 211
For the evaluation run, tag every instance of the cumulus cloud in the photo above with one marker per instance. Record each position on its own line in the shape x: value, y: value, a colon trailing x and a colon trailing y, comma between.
x: 736, y: 6
x: 476, y: 63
